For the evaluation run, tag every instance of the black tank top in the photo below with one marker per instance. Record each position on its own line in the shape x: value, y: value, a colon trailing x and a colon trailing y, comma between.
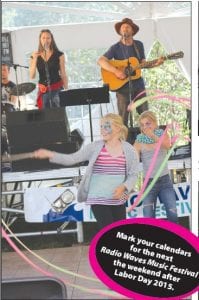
x: 53, y: 68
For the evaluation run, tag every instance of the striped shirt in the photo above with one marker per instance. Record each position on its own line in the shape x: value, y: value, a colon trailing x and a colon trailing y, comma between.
x: 108, y: 173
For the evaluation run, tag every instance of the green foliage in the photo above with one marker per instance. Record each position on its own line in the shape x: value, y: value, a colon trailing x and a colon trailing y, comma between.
x: 82, y: 66
x: 168, y: 79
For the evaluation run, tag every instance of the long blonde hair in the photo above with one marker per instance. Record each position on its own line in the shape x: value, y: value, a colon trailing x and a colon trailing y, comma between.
x: 149, y: 115
x: 117, y: 121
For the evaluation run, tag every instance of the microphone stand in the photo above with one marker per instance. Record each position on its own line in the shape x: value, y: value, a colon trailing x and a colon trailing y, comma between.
x: 15, y: 68
x: 129, y: 82
x: 17, y: 65
x: 48, y: 79
x: 130, y: 89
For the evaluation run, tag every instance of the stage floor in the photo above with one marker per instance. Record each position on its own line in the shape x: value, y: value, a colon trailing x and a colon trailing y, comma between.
x: 74, y: 259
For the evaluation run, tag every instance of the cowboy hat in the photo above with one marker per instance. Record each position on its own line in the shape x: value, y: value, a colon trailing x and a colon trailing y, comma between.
x: 129, y: 22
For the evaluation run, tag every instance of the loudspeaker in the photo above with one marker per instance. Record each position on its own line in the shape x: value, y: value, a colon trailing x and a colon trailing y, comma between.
x: 76, y: 135
x: 181, y: 152
x: 33, y: 288
x: 132, y: 133
x: 44, y: 164
x: 36, y: 127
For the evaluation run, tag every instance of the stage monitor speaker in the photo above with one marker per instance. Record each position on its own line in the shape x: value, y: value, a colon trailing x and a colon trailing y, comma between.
x: 44, y: 164
x: 33, y: 288
x: 76, y: 135
x: 36, y: 127
x: 132, y: 133
x: 181, y: 152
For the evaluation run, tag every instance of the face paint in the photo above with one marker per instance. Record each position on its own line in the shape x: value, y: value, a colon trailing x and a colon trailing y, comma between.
x: 106, y: 126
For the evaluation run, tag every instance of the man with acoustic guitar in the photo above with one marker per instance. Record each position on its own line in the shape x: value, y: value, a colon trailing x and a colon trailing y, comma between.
x: 119, y: 68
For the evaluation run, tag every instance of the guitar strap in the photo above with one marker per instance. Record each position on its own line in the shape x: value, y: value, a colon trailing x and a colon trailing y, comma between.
x: 136, y: 50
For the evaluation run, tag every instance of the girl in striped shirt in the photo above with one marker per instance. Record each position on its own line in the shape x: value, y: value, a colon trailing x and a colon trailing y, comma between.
x: 111, y: 173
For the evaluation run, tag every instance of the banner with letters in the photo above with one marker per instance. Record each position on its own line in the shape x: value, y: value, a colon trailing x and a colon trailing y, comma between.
x: 57, y: 204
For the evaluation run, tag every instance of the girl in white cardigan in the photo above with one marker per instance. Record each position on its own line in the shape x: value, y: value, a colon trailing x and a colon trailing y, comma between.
x: 111, y: 173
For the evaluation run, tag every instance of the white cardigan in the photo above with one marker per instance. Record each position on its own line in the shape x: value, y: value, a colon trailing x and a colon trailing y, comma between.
x: 90, y: 153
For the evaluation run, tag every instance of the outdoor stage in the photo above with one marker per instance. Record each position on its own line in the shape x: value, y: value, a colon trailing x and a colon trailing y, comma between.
x: 74, y: 259
x: 24, y: 187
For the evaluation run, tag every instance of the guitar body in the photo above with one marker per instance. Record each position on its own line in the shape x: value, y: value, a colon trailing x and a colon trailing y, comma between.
x: 116, y: 83
x: 135, y: 69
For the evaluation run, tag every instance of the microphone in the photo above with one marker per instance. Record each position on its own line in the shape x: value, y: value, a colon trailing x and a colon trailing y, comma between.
x: 125, y: 36
x: 45, y: 46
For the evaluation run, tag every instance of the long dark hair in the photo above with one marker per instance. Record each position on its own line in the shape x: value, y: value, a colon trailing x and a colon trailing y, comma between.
x: 53, y: 45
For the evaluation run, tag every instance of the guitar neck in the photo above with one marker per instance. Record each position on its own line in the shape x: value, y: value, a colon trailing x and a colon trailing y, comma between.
x: 151, y: 63
x: 148, y: 64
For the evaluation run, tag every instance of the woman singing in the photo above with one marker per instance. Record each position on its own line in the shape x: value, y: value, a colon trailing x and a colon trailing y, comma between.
x: 50, y: 63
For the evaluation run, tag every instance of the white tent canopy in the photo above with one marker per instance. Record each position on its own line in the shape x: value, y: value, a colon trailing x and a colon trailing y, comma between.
x: 157, y: 21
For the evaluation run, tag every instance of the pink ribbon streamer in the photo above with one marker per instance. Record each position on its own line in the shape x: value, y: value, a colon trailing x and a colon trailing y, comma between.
x: 159, y: 95
x: 18, y: 251
x: 48, y: 274
x: 138, y: 95
x: 173, y: 98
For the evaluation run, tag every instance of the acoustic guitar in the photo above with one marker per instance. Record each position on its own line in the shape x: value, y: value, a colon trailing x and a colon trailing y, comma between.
x: 131, y: 68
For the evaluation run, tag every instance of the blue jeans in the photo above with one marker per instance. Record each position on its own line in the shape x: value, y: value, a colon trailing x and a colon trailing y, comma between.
x: 51, y: 99
x: 163, y: 188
